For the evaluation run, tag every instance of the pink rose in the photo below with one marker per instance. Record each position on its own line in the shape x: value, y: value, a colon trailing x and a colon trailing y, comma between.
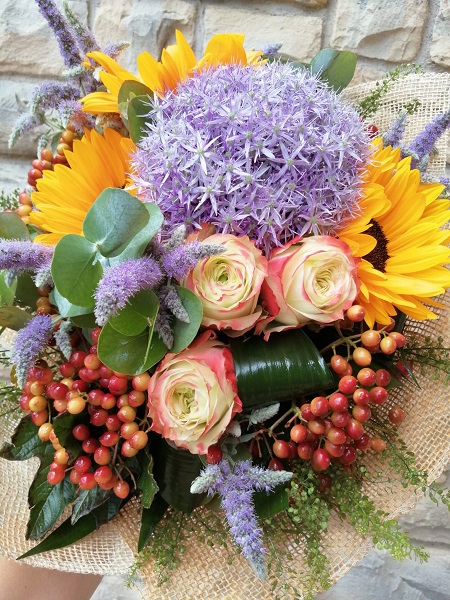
x: 192, y: 396
x: 228, y: 284
x: 314, y: 279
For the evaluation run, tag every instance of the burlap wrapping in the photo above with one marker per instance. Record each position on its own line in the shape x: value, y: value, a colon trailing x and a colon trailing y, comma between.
x: 204, y: 572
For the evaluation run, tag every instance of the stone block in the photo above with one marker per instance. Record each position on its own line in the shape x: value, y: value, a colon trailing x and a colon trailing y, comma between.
x: 383, y: 30
x: 27, y: 44
x: 263, y: 24
x: 312, y: 3
x: 440, y: 41
x: 13, y: 172
x: 148, y: 26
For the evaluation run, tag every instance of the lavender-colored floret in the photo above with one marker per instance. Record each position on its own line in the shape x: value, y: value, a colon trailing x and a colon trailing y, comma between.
x: 121, y: 282
x: 29, y: 343
x: 267, y: 152
x: 423, y: 144
x: 179, y: 261
x: 18, y: 256
x: 62, y: 31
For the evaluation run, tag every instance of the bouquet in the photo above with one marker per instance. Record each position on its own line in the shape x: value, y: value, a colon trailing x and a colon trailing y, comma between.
x: 222, y: 275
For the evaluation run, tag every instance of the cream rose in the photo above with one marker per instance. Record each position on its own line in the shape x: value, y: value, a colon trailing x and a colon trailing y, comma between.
x: 228, y: 284
x: 310, y: 280
x: 192, y: 396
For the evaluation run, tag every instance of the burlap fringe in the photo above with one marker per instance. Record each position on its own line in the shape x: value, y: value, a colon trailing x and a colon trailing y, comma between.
x: 204, y: 572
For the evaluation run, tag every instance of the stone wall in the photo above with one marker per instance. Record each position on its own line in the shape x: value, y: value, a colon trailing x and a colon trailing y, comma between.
x: 383, y: 33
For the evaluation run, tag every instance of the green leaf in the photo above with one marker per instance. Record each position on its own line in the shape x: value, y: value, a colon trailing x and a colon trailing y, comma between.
x: 13, y: 317
x: 135, y: 317
x: 7, y: 292
x: 184, y: 333
x: 128, y: 90
x: 76, y: 270
x: 272, y: 503
x: 138, y: 109
x: 129, y: 354
x: 67, y: 534
x: 136, y: 247
x: 282, y: 369
x: 87, y: 321
x: 12, y: 227
x: 174, y: 472
x: 25, y: 442
x: 66, y: 308
x: 146, y: 482
x: 114, y: 220
x: 335, y: 67
x: 87, y: 501
x: 26, y: 290
x: 63, y: 425
x: 45, y: 513
x: 150, y: 518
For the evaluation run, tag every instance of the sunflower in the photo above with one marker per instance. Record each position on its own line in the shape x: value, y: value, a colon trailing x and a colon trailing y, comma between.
x: 66, y: 194
x: 177, y: 63
x: 398, y: 238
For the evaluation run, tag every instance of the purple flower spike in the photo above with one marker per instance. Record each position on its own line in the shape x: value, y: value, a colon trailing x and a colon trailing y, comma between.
x: 121, y: 282
x: 424, y: 143
x: 236, y: 486
x: 179, y: 261
x: 62, y: 31
x: 18, y: 256
x: 30, y: 342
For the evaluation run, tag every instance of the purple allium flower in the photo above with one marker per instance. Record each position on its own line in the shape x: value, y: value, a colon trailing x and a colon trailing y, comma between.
x: 394, y: 134
x: 236, y: 487
x: 30, y: 342
x: 62, y: 31
x: 18, y: 256
x: 178, y: 262
x: 121, y: 282
x: 267, y: 152
x: 424, y: 143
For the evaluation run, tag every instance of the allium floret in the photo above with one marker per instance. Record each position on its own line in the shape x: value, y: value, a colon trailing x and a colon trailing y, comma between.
x: 267, y: 152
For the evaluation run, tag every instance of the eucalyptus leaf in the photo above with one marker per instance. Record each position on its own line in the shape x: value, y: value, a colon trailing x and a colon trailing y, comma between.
x: 76, y: 270
x: 128, y: 90
x: 12, y: 227
x: 335, y: 67
x: 184, y: 333
x: 113, y: 221
x: 138, y: 109
x: 13, y: 317
x: 7, y: 292
x: 137, y: 315
x: 26, y: 290
x: 66, y: 308
x: 129, y: 354
x: 87, y: 321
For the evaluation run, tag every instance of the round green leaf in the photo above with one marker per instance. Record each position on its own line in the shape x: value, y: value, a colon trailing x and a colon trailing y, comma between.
x: 114, y: 219
x: 128, y: 90
x: 13, y: 317
x: 66, y: 308
x: 138, y: 109
x: 75, y: 269
x: 129, y: 354
x: 12, y: 227
x: 284, y: 368
x: 137, y: 315
x: 335, y: 67
x: 184, y: 333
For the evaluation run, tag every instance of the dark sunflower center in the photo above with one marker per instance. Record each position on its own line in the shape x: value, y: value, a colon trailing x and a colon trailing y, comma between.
x: 379, y: 255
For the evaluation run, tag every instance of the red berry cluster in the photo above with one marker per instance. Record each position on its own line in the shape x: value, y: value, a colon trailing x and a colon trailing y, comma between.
x: 337, y: 426
x: 110, y: 400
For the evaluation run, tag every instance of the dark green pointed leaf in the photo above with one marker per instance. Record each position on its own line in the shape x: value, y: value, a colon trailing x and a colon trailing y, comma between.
x: 63, y: 425
x: 45, y: 513
x: 128, y: 90
x: 88, y: 500
x: 67, y: 534
x: 146, y: 482
x: 335, y: 67
x: 150, y: 518
x: 12, y: 227
x: 7, y: 292
x: 25, y: 442
x: 26, y: 290
x: 13, y: 317
x: 174, y: 472
x: 76, y: 270
x: 137, y: 245
x: 137, y: 315
x: 114, y: 220
x: 138, y: 109
x: 129, y: 354
x: 284, y: 368
x: 271, y: 503
x: 184, y: 333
